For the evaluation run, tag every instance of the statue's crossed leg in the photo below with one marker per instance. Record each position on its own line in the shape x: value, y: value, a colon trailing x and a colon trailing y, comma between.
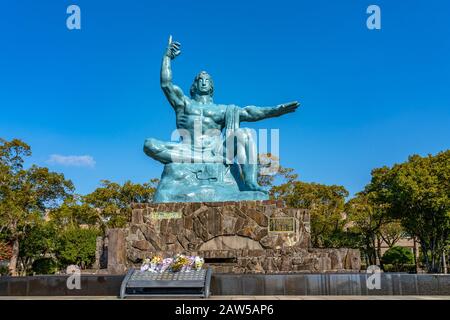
x: 239, y: 145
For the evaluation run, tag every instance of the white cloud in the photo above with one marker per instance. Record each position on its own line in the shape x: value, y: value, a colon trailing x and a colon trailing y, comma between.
x: 72, y: 161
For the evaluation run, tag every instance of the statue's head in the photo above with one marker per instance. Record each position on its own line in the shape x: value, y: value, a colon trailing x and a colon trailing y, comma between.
x: 203, y: 85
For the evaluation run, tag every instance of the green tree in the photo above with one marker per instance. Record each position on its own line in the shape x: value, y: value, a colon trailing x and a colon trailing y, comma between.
x: 391, y: 232
x: 75, y: 213
x: 398, y: 257
x: 77, y: 246
x: 113, y: 200
x: 40, y: 242
x: 366, y: 218
x: 5, y: 251
x: 417, y: 193
x: 326, y: 205
x: 25, y: 194
x: 272, y: 172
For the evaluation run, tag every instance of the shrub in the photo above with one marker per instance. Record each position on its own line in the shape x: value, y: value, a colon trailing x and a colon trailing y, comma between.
x: 39, y: 243
x: 4, y: 271
x: 410, y: 268
x: 398, y: 258
x: 45, y: 266
x: 77, y: 246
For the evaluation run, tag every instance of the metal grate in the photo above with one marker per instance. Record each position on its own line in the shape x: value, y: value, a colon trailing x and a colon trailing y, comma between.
x: 167, y: 275
x: 167, y: 283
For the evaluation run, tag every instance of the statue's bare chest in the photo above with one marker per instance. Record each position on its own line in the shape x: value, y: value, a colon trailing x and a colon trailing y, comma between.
x: 208, y: 114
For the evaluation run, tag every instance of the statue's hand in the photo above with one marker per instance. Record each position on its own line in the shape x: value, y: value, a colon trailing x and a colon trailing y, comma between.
x: 173, y: 49
x: 287, y: 107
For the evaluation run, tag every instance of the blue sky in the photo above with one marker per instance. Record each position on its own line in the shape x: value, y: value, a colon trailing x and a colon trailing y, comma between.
x: 368, y: 97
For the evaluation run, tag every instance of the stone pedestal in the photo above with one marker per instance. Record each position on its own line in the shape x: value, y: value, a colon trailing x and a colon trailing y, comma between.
x: 238, y: 237
x: 117, y: 257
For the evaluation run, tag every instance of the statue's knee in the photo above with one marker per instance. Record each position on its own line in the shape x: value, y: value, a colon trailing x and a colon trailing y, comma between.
x: 246, y: 135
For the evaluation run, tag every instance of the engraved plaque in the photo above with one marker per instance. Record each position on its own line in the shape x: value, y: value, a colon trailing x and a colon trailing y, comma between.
x: 281, y: 224
x: 165, y: 215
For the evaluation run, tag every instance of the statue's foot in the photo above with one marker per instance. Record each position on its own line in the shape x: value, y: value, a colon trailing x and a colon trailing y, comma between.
x: 253, y: 186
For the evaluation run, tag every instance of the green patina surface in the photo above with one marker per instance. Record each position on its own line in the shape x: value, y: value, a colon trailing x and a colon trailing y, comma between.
x: 215, y: 159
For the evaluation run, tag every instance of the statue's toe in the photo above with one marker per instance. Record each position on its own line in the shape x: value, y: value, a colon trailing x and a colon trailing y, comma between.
x: 256, y: 187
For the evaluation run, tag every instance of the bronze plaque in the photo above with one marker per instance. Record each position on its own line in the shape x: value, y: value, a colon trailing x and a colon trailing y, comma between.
x: 282, y: 224
x: 165, y: 215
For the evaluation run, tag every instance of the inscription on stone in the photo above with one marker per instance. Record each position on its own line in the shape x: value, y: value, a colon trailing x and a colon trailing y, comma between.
x: 281, y: 224
x: 165, y: 215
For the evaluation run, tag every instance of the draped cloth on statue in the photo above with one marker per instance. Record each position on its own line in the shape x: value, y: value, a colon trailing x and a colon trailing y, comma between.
x: 231, y: 126
x: 232, y: 118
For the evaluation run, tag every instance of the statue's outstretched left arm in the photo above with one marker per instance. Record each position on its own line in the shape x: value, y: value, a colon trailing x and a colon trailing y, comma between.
x: 254, y: 113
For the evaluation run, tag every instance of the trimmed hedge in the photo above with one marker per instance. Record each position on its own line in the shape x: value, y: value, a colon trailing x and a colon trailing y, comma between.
x: 410, y: 268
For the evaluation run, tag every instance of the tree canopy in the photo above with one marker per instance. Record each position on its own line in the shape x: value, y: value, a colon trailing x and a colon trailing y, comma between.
x: 113, y: 200
x: 417, y: 193
x: 25, y: 194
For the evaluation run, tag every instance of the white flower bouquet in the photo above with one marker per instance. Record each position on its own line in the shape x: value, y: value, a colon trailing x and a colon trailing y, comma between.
x: 178, y: 263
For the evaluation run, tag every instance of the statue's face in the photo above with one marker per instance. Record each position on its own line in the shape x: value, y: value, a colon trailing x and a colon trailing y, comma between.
x: 204, y: 84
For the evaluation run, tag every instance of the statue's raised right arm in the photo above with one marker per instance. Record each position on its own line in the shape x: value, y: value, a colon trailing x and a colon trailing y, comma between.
x: 173, y: 93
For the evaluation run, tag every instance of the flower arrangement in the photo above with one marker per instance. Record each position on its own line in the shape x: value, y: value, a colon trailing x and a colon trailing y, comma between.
x: 198, y: 262
x: 178, y: 263
x: 156, y: 259
x: 166, y: 264
x: 145, y: 265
